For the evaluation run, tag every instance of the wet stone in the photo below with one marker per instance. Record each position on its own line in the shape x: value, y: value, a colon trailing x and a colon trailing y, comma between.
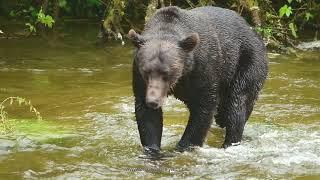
x: 314, y: 45
x: 25, y: 143
x: 6, y: 145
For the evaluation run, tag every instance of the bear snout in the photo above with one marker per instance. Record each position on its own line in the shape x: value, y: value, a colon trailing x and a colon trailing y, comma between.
x: 153, y: 98
x: 156, y: 92
x: 153, y: 104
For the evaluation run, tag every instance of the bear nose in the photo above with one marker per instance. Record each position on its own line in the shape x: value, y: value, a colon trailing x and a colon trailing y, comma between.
x: 152, y: 104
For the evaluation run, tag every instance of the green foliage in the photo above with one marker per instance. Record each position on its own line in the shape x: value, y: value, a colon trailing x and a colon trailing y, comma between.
x: 298, y: 11
x: 38, y: 17
x: 114, y: 16
x: 5, y: 126
x: 308, y: 16
x: 293, y: 29
x: 62, y: 3
x: 94, y: 2
x: 266, y: 32
x: 280, y: 21
x: 287, y: 20
x: 47, y: 20
x: 285, y: 10
x: 33, y: 15
x: 31, y: 28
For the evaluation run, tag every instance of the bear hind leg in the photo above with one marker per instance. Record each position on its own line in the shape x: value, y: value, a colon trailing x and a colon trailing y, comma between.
x: 237, y: 106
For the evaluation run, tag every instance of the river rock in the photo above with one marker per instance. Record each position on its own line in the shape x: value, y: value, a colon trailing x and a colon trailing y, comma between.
x: 25, y: 144
x: 6, y: 145
x: 313, y: 46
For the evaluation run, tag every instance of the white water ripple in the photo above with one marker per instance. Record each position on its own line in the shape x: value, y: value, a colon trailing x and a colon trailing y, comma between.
x: 272, y: 150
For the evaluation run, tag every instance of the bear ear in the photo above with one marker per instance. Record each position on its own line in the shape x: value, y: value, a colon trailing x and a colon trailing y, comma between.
x: 136, y: 38
x: 189, y: 42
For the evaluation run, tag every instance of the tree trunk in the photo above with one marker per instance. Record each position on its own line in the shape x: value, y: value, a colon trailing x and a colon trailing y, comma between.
x: 253, y: 7
x: 44, y: 5
x: 112, y: 24
x: 255, y: 14
x: 41, y: 27
x: 162, y: 3
x: 56, y: 11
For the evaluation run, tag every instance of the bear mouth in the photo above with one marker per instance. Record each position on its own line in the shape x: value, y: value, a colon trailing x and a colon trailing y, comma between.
x: 155, y: 103
x: 156, y: 91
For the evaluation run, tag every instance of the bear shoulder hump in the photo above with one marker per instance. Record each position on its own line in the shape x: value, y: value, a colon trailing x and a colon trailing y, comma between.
x: 170, y: 11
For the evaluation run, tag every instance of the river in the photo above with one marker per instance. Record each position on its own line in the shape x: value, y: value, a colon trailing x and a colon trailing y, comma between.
x: 88, y: 129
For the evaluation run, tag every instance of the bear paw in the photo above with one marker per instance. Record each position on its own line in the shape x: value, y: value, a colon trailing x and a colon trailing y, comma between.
x: 226, y: 145
x: 183, y: 146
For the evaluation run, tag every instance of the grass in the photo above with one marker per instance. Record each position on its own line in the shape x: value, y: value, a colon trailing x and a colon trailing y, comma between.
x: 7, y: 126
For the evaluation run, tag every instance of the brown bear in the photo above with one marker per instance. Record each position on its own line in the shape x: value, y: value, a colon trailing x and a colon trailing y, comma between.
x: 207, y: 57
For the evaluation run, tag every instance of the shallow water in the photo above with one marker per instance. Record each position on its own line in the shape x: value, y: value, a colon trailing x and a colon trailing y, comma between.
x: 88, y: 131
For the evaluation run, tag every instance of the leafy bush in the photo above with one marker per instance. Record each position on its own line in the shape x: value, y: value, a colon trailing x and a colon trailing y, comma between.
x: 284, y: 24
x: 280, y: 22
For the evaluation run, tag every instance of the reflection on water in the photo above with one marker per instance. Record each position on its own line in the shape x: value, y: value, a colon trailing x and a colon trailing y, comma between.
x: 84, y: 93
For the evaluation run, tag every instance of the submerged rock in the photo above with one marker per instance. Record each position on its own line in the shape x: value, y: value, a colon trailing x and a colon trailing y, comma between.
x: 6, y: 145
x: 313, y: 46
x: 25, y: 144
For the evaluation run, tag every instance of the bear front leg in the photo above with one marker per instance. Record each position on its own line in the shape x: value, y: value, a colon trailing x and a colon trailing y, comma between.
x: 150, y: 123
x: 198, y: 125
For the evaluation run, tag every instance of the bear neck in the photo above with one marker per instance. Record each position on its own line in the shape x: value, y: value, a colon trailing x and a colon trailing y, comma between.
x: 188, y: 64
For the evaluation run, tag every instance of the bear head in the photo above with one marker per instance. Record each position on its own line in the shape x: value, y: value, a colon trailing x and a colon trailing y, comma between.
x: 161, y: 63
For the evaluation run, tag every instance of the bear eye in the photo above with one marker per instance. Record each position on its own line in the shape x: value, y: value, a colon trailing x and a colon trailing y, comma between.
x: 146, y: 74
x: 165, y: 78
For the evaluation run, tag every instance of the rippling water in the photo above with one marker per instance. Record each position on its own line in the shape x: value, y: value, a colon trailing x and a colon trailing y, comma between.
x: 84, y: 95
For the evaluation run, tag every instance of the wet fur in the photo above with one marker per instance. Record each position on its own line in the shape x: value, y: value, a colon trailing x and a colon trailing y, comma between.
x: 220, y: 78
